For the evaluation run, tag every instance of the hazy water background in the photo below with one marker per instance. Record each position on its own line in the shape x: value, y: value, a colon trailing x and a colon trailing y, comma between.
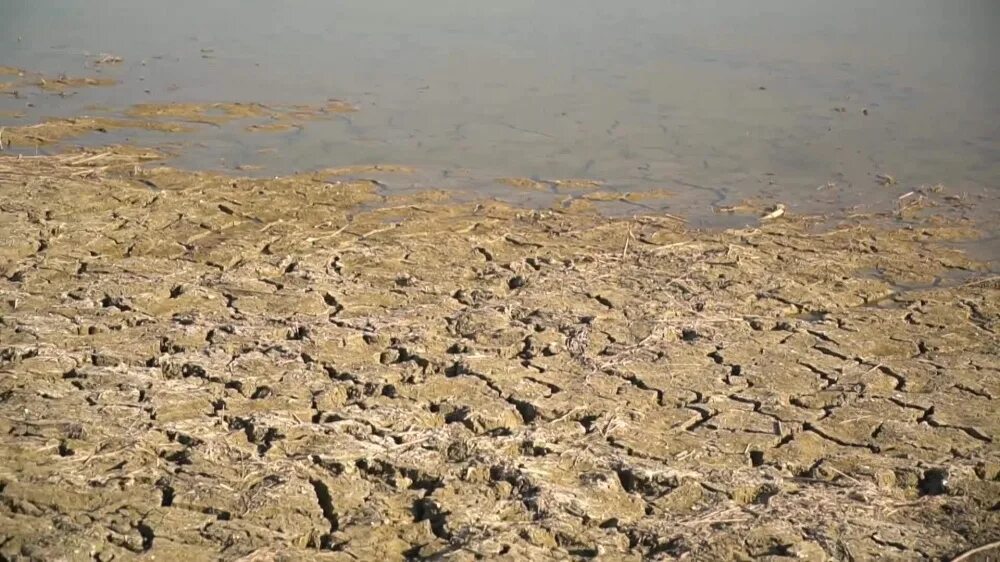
x: 716, y: 99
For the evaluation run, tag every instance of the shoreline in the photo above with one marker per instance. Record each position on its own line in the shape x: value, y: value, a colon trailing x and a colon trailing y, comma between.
x: 197, y: 365
x: 179, y: 130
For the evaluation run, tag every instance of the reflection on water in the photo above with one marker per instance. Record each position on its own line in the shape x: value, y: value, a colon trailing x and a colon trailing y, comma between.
x: 761, y: 98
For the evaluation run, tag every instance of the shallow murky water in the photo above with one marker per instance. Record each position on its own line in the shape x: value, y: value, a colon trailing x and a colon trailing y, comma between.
x: 715, y: 100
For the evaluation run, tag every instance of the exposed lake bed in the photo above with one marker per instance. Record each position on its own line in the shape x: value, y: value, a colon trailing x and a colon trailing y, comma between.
x: 200, y: 365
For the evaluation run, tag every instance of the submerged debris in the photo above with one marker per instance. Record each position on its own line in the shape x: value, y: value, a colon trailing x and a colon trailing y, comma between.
x: 108, y: 58
x: 774, y: 212
x: 885, y: 179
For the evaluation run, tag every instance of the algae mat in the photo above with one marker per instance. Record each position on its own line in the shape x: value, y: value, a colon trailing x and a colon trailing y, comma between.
x: 200, y: 367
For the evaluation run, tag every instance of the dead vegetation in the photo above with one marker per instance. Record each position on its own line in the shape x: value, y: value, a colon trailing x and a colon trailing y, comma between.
x: 61, y: 84
x: 200, y: 366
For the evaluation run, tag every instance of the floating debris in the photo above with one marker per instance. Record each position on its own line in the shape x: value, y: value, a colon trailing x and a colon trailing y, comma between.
x: 107, y: 58
x: 774, y: 212
x: 885, y: 179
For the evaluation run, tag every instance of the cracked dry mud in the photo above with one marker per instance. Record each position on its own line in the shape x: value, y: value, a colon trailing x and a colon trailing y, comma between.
x: 200, y: 367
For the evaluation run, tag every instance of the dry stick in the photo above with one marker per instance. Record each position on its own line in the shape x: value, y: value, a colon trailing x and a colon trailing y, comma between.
x: 969, y: 554
x: 378, y: 230
x: 990, y: 279
x: 628, y: 236
x: 666, y: 247
x: 77, y: 162
x: 567, y: 414
x: 409, y: 443
x: 875, y: 368
x: 844, y: 474
x: 312, y: 239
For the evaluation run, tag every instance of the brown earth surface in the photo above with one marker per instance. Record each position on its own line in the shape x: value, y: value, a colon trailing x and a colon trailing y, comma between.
x: 201, y: 367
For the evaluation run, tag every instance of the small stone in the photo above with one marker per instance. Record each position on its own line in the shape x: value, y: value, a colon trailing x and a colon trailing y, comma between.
x: 807, y: 550
x: 103, y: 360
x: 885, y: 478
x: 389, y: 356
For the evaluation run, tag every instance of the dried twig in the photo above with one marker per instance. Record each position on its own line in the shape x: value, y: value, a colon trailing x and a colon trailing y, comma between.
x: 628, y: 236
x: 970, y: 553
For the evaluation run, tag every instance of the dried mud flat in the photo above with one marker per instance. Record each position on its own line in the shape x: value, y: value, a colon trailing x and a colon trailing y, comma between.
x: 200, y: 367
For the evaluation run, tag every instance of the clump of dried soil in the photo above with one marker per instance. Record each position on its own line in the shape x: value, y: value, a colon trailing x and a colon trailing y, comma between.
x: 199, y: 366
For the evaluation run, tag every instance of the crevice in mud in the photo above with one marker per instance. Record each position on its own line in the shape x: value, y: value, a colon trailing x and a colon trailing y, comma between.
x: 974, y: 391
x: 147, y: 534
x: 166, y: 496
x: 459, y: 369
x: 926, y: 418
x: 529, y: 364
x: 757, y: 405
x: 832, y: 353
x: 342, y: 376
x: 972, y: 432
x: 977, y: 316
x: 325, y: 501
x: 896, y: 545
x: 487, y: 255
x: 706, y: 416
x: 526, y: 492
x: 387, y: 473
x: 810, y: 427
x: 799, y: 308
x: 604, y: 301
x: 634, y: 453
x: 589, y: 423
x: 635, y: 381
x: 426, y: 509
x: 552, y: 388
x: 758, y: 409
x: 263, y: 437
x: 822, y: 336
x: 900, y: 379
x: 527, y: 410
x: 785, y: 440
x: 648, y: 485
x: 902, y: 404
x: 877, y: 431
x: 828, y: 379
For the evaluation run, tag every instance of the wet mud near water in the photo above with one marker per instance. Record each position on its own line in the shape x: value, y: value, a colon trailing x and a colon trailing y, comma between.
x: 175, y: 126
x: 197, y: 366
